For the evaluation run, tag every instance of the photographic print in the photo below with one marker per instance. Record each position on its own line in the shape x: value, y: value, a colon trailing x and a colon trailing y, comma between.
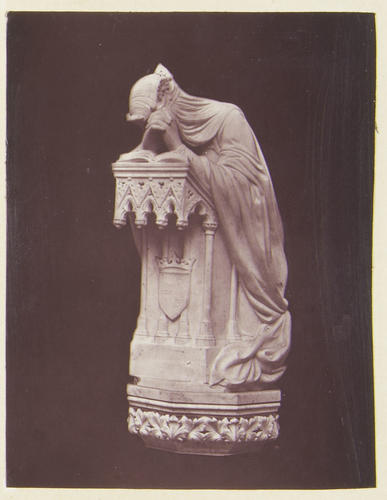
x: 190, y: 195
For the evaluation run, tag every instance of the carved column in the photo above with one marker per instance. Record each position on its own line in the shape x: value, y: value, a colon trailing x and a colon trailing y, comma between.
x: 141, y: 330
x: 206, y: 336
x: 162, y: 329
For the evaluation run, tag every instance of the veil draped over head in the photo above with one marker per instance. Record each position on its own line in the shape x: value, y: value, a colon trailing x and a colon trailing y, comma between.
x: 250, y: 222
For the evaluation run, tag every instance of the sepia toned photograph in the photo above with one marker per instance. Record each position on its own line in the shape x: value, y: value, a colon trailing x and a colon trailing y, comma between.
x: 189, y: 250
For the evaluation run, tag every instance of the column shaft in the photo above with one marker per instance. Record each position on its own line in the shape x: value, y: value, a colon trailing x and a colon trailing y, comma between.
x: 141, y: 329
x: 206, y: 336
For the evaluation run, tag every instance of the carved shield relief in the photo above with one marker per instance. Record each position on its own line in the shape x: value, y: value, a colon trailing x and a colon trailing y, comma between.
x: 174, y: 285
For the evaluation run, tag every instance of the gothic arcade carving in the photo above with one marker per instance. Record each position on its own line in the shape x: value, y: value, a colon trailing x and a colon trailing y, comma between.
x: 213, y: 321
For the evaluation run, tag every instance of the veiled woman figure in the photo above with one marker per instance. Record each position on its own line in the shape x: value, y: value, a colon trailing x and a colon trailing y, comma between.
x: 226, y: 159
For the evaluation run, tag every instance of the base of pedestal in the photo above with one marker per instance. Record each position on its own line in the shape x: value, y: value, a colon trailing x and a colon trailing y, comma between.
x: 184, y: 422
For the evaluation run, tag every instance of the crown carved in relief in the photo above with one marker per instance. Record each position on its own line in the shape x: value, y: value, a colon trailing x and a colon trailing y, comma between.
x: 163, y: 72
x: 166, y: 81
x: 175, y: 263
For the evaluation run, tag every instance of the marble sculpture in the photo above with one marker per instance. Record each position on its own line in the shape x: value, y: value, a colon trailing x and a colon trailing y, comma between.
x: 213, y: 331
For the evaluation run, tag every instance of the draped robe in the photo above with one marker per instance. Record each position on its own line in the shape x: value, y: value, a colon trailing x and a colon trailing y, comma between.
x: 231, y: 167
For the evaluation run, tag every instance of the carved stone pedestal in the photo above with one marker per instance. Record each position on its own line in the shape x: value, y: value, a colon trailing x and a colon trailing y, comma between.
x: 202, y: 422
x: 189, y: 305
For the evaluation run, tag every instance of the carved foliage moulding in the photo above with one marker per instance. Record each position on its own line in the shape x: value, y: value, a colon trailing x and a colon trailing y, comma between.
x: 202, y: 429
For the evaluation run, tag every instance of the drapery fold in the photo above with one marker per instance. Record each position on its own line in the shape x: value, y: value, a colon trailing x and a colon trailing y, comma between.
x: 241, y: 188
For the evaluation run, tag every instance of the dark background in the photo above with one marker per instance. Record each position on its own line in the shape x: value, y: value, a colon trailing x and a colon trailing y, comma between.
x: 306, y: 84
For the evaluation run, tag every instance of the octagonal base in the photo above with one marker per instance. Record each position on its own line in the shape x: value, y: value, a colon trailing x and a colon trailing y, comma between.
x: 234, y: 423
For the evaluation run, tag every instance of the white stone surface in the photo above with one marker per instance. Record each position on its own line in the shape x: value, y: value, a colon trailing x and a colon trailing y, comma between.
x: 213, y: 330
x: 202, y: 435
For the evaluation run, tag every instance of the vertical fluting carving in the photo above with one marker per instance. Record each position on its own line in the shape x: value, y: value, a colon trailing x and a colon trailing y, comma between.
x: 162, y: 329
x: 141, y: 330
x: 206, y: 336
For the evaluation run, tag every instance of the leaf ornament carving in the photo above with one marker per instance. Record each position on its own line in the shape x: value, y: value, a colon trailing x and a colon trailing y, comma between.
x: 203, y: 428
